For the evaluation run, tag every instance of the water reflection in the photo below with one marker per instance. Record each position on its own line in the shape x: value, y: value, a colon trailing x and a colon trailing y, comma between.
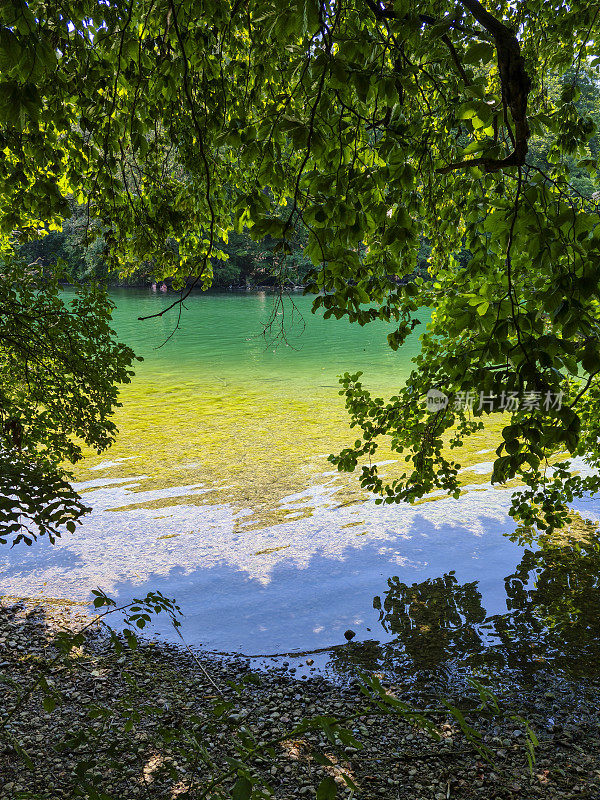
x: 552, y: 620
x: 293, y: 588
x: 435, y: 620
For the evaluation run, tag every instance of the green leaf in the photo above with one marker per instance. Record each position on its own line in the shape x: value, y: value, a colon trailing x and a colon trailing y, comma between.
x: 49, y: 703
x: 479, y: 53
x: 242, y: 789
x: 327, y: 789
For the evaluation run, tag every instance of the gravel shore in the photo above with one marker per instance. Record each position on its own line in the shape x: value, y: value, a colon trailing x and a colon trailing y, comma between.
x: 145, y: 700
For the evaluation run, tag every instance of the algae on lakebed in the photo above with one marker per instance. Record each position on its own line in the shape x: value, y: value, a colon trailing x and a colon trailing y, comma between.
x: 249, y: 421
x: 216, y: 413
x: 249, y: 447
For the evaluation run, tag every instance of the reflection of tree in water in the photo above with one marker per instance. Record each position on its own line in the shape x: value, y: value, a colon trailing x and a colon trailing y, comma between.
x: 365, y: 656
x: 557, y: 620
x: 435, y: 620
x: 552, y: 619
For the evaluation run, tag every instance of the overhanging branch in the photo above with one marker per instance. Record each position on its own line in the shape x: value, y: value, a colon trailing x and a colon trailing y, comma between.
x: 515, y: 83
x: 514, y: 80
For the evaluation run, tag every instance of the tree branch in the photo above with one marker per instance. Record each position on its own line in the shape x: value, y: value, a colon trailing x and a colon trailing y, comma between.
x: 515, y: 83
x: 514, y: 80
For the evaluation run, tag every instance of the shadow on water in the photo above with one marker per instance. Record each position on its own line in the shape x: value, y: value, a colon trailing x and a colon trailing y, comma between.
x: 440, y: 626
x: 433, y: 632
x: 292, y: 590
x: 239, y: 595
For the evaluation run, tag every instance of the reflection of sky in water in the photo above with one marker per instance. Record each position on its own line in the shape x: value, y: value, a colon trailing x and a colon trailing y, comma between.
x: 295, y: 585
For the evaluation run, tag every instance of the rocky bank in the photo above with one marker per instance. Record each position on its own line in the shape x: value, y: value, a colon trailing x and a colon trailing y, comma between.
x: 145, y: 711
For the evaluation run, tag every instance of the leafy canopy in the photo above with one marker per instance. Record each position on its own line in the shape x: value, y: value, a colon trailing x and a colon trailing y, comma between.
x: 374, y: 123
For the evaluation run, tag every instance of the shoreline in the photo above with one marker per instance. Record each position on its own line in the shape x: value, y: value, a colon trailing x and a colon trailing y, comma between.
x: 174, y: 686
x: 216, y: 289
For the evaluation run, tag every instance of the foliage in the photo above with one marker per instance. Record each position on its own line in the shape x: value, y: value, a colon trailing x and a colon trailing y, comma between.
x: 60, y: 368
x: 35, y: 499
x: 377, y: 127
x: 81, y: 248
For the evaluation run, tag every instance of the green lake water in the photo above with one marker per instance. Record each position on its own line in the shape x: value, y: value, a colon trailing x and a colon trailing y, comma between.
x: 244, y: 395
x: 218, y: 492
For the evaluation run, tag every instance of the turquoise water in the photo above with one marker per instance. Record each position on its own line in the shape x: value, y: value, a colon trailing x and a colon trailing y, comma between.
x: 251, y: 339
x: 218, y: 491
x: 243, y: 396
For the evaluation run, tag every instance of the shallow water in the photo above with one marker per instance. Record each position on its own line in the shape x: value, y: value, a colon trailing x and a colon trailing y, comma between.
x: 218, y: 492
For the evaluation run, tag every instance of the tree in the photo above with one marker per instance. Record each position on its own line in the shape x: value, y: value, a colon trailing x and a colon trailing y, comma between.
x: 374, y: 124
x: 60, y: 368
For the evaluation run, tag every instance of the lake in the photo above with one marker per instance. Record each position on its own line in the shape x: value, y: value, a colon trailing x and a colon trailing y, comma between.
x: 218, y: 492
